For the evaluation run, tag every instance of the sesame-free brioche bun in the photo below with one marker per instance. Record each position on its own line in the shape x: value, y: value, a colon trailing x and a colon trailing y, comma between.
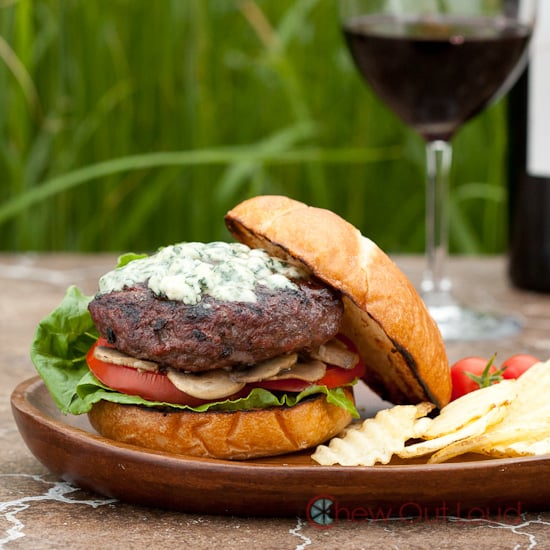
x: 384, y: 315
x: 224, y: 435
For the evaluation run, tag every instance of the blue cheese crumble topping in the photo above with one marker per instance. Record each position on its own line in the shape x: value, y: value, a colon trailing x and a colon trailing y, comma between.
x: 188, y: 271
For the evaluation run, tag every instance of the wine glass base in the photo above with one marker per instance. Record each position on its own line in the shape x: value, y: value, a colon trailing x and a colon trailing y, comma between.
x: 458, y: 323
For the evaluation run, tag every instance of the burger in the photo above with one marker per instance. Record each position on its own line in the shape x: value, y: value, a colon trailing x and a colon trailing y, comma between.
x: 245, y: 349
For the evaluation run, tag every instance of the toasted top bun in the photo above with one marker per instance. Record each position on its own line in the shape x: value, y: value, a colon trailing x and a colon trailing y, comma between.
x: 384, y: 316
x: 225, y: 435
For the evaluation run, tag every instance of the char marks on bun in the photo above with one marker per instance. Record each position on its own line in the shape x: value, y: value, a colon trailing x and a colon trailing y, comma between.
x: 383, y: 313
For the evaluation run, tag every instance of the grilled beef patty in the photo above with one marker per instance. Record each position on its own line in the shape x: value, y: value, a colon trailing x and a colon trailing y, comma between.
x: 213, y: 333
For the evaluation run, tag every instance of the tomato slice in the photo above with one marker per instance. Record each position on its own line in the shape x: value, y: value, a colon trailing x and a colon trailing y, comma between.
x: 157, y: 386
x: 148, y: 385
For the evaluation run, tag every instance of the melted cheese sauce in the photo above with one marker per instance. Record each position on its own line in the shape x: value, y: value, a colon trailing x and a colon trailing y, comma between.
x: 188, y: 271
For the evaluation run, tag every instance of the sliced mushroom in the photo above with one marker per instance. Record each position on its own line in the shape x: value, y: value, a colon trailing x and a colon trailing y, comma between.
x: 336, y: 353
x: 110, y: 355
x: 308, y: 372
x: 265, y: 369
x: 213, y: 384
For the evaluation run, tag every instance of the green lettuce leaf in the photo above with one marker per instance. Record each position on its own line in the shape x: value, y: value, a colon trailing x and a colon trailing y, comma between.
x: 60, y: 344
x: 90, y: 391
x: 59, y: 349
x: 129, y: 257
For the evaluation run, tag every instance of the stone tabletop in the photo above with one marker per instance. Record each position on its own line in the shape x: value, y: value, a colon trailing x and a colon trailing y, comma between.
x: 38, y: 510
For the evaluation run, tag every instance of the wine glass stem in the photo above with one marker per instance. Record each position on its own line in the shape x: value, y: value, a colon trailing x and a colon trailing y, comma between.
x: 435, y: 285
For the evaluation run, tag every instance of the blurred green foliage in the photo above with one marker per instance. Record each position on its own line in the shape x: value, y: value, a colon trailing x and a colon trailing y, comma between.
x: 129, y: 124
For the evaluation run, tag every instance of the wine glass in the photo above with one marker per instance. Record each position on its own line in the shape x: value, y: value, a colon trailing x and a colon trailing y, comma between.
x: 437, y: 64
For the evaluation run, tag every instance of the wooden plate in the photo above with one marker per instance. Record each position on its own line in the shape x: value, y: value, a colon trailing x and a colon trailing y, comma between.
x: 290, y: 485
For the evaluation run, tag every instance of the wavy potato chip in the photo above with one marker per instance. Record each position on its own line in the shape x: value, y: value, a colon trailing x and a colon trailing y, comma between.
x: 508, y: 419
x: 375, y: 440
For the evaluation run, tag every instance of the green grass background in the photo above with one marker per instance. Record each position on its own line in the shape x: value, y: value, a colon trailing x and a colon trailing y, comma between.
x: 129, y: 124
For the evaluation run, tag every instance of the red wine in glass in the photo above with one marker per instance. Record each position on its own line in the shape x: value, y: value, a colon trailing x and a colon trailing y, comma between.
x: 436, y: 73
x: 437, y: 65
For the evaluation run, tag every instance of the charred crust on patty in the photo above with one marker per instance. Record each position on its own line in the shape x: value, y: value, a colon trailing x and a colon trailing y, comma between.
x: 214, y: 334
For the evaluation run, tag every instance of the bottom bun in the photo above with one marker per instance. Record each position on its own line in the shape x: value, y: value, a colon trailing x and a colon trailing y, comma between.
x: 226, y: 435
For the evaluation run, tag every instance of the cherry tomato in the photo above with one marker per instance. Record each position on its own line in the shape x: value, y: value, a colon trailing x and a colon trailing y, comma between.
x: 517, y: 364
x: 463, y: 370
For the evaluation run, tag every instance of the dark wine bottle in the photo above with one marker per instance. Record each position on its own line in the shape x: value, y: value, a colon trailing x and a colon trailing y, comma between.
x: 529, y: 166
